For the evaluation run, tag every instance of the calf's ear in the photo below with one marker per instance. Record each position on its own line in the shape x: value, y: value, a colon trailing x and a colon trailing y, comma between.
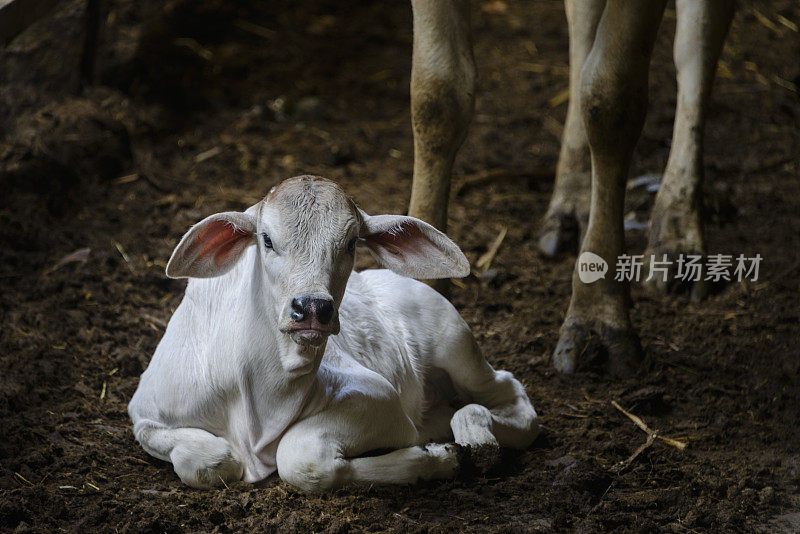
x: 212, y: 246
x: 413, y: 248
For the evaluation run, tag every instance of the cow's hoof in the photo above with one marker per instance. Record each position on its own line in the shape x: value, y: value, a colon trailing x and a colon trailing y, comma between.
x: 679, y: 280
x: 561, y: 232
x: 675, y: 250
x: 582, y: 346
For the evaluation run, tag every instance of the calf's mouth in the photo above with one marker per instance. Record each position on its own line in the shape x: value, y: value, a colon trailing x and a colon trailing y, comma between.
x: 309, y: 332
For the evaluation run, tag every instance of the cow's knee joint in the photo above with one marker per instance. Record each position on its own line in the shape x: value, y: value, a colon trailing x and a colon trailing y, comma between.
x: 205, y: 465
x: 309, y: 471
x: 613, y: 110
x: 441, y: 111
x: 472, y: 425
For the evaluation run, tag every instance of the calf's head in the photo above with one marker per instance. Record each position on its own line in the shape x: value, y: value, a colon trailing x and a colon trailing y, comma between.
x: 307, y: 230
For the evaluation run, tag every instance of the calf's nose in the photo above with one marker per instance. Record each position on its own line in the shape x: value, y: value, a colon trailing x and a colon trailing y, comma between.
x: 306, y: 306
x: 301, y: 308
x: 323, y: 308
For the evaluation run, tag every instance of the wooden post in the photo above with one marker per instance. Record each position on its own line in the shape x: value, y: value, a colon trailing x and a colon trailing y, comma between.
x: 89, y: 48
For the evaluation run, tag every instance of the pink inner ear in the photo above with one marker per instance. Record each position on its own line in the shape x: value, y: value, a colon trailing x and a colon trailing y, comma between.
x: 400, y: 240
x: 222, y: 240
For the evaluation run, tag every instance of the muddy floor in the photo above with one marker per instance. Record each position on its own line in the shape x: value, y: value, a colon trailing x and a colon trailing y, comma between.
x: 200, y: 107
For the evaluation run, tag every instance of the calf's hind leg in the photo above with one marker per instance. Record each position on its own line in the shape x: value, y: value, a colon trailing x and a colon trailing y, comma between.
x: 499, y: 412
x: 614, y: 104
x: 322, y: 452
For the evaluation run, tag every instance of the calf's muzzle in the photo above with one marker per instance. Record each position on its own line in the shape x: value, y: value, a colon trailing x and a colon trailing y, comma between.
x: 309, y: 309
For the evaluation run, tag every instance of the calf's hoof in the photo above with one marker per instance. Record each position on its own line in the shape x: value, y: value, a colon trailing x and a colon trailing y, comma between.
x: 584, y: 345
x: 484, y: 457
x: 476, y: 459
x: 444, y: 460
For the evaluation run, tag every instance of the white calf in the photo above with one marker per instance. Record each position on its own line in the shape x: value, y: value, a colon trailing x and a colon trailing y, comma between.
x: 246, y: 379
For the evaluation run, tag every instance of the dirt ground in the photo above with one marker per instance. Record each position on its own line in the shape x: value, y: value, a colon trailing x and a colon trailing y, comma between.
x: 202, y: 106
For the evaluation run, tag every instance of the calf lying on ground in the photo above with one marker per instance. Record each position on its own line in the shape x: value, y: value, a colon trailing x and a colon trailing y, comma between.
x: 246, y: 379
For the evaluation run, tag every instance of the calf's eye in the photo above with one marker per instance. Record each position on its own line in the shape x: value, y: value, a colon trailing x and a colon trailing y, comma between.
x: 267, y: 241
x: 351, y: 245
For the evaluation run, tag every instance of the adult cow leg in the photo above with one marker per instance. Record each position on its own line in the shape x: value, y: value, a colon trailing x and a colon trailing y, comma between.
x: 568, y: 212
x: 676, y: 226
x: 613, y: 101
x: 442, y: 101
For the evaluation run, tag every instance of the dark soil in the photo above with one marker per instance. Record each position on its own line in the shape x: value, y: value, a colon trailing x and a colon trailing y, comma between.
x: 203, y: 106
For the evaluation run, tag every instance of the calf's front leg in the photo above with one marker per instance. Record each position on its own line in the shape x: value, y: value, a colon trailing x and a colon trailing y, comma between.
x: 200, y: 459
x: 614, y: 105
